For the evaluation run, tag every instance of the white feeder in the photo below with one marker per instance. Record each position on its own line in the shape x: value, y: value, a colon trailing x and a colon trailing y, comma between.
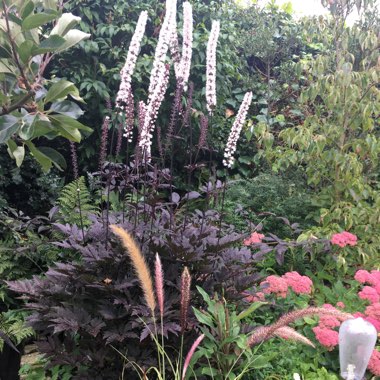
x: 357, y: 339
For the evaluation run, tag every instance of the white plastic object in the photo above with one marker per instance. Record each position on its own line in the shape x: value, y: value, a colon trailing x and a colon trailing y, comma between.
x: 357, y: 339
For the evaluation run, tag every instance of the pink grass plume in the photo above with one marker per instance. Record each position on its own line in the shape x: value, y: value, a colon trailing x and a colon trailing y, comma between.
x: 159, y: 281
x: 190, y: 354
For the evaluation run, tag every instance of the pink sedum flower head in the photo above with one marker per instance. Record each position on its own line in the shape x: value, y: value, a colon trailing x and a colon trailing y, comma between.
x: 254, y: 238
x: 370, y: 294
x: 326, y: 337
x: 362, y: 276
x: 328, y: 322
x: 374, y: 363
x: 299, y: 284
x: 344, y: 238
x: 341, y: 305
x: 374, y: 321
x: 277, y: 285
x: 374, y: 278
x: 373, y: 311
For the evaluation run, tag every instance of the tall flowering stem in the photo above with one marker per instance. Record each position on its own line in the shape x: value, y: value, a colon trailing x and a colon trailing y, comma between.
x: 74, y: 159
x: 124, y: 97
x: 187, y: 44
x: 154, y: 102
x: 164, y: 38
x: 236, y: 130
x: 211, y: 67
x: 104, y: 142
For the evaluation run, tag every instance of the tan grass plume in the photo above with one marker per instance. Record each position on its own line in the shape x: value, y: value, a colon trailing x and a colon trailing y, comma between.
x: 139, y: 265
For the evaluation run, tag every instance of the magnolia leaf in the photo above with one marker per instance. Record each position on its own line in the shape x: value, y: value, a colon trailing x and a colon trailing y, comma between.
x: 16, y: 152
x: 41, y: 158
x: 27, y: 9
x: 9, y: 125
x: 37, y: 19
x: 60, y: 90
x: 51, y: 44
x: 57, y: 159
x: 64, y: 24
x: 67, y: 108
x: 25, y: 50
x: 73, y: 37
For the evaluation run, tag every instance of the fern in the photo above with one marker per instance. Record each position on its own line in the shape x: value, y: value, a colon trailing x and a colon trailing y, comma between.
x: 75, y: 203
x: 13, y: 328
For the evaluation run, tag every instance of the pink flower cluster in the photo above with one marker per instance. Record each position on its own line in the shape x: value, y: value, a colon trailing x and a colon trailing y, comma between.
x: 325, y: 332
x: 344, y: 238
x: 279, y: 285
x: 254, y: 238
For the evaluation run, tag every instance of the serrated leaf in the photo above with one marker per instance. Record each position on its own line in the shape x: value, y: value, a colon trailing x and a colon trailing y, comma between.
x: 37, y: 19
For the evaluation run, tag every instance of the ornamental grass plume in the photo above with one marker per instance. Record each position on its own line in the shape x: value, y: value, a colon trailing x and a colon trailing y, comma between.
x: 291, y: 334
x: 262, y: 334
x: 190, y: 355
x: 139, y: 264
x: 185, y: 297
x: 104, y: 142
x: 235, y: 131
x: 211, y: 67
x: 159, y: 280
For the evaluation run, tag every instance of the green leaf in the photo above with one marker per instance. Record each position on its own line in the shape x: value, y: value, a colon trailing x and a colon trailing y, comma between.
x: 73, y: 37
x: 38, y: 19
x: 27, y: 9
x: 203, y: 317
x: 27, y: 129
x: 60, y: 90
x: 68, y: 127
x: 9, y: 125
x: 41, y: 158
x: 57, y: 159
x: 16, y: 152
x: 67, y: 108
x: 25, y: 50
x: 250, y: 310
x: 65, y: 23
x: 51, y: 44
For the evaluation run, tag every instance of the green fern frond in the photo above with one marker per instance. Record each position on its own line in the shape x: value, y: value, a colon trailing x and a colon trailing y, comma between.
x: 12, y: 324
x: 75, y: 203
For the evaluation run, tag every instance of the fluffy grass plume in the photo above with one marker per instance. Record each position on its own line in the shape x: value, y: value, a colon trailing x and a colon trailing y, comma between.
x: 139, y: 264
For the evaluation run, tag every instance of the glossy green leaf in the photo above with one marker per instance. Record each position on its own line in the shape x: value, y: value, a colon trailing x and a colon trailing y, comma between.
x: 56, y: 157
x: 72, y: 38
x: 25, y: 50
x: 41, y: 158
x: 37, y: 19
x: 26, y: 9
x: 51, y: 44
x: 67, y: 108
x: 60, y: 90
x: 66, y: 22
x: 8, y: 126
